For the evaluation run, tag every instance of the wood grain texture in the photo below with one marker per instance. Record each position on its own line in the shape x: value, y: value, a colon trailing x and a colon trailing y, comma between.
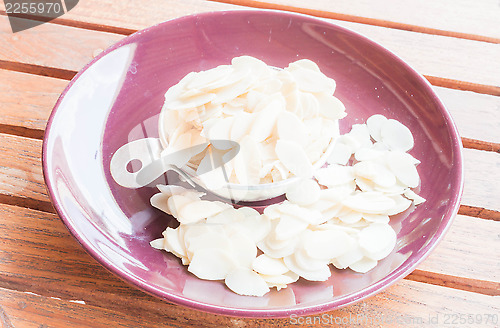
x: 461, y: 252
x: 21, y: 173
x: 132, y: 15
x: 47, y: 268
x: 429, y: 54
x: 53, y: 45
x: 463, y: 18
x: 26, y: 99
x: 20, y: 167
x: 407, y: 303
x: 29, y: 236
x: 482, y: 176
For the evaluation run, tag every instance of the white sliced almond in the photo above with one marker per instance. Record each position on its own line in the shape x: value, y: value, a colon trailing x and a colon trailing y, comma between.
x: 209, y: 240
x: 266, y: 265
x: 334, y: 175
x: 364, y: 265
x: 265, y: 120
x: 359, y: 132
x: 241, y: 125
x: 210, y: 79
x: 248, y: 162
x: 330, y: 107
x: 288, y: 227
x: 158, y: 243
x: 341, y: 153
x: 351, y: 217
x: 376, y: 172
x: 374, y: 124
x: 212, y: 264
x: 375, y: 238
x: 294, y: 158
x: 290, y: 127
x: 402, y: 166
x: 312, y: 81
x: 349, y: 258
x: 318, y: 275
x: 196, y: 211
x: 173, y: 243
x: 280, y: 280
x: 160, y: 201
x: 303, y: 192
x: 256, y: 227
x: 327, y: 244
x: 305, y: 262
x: 369, y: 202
x: 243, y: 248
x: 401, y: 204
x: 244, y: 281
x: 176, y: 202
x: 395, y: 135
x: 417, y: 199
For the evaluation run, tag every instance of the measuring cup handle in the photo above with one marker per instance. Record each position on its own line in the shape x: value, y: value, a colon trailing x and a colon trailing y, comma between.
x: 139, y: 154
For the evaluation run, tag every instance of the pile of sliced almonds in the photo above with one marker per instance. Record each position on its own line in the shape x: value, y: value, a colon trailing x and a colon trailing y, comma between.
x: 339, y: 217
x: 283, y: 119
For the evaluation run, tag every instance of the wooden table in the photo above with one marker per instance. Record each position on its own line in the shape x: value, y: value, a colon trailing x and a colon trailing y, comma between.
x: 47, y: 279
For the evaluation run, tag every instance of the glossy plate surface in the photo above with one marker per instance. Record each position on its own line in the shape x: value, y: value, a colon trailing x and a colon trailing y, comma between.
x: 117, y: 97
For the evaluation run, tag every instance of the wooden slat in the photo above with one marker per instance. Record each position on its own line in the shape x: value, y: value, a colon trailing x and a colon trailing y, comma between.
x: 476, y: 115
x: 26, y: 99
x: 53, y: 45
x: 129, y: 15
x: 21, y: 172
x: 462, y: 18
x: 408, y: 303
x: 482, y: 177
x: 29, y: 236
x: 63, y: 272
x: 20, y: 167
x: 461, y: 253
x: 429, y: 54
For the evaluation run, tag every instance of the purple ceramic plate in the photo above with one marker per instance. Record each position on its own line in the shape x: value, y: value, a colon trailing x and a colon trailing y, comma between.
x: 116, y: 99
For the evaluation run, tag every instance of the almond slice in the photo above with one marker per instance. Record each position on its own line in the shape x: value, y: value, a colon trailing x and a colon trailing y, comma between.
x: 294, y: 158
x: 417, y: 199
x: 195, y: 211
x: 374, y: 124
x: 211, y: 264
x: 318, y: 275
x: 244, y: 281
x: 263, y: 264
x: 403, y: 167
x: 371, y: 202
x: 376, y: 237
x: 364, y: 265
x: 396, y: 135
x: 303, y: 192
x: 327, y: 244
